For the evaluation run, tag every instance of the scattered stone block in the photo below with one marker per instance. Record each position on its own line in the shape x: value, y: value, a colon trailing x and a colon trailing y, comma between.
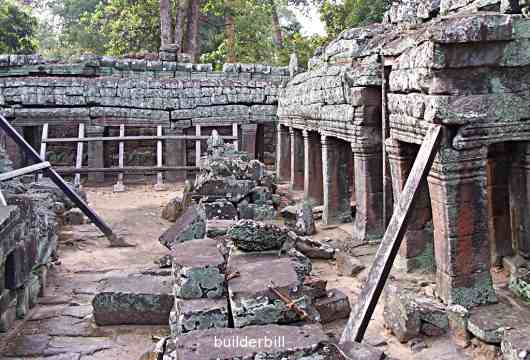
x: 165, y: 262
x: 458, y: 317
x: 314, y: 249
x: 133, y: 300
x: 173, y: 210
x: 256, y: 212
x: 251, y: 300
x: 406, y: 313
x: 74, y: 217
x: 289, y: 215
x: 274, y: 342
x: 516, y: 345
x: 305, y: 222
x: 220, y: 210
x: 261, y: 195
x: 228, y: 188
x: 190, y: 226
x: 315, y: 288
x: 348, y: 265
x: 199, y: 314
x: 334, y: 306
x: 198, y: 270
x: 249, y: 235
x: 520, y: 283
x: 302, y: 264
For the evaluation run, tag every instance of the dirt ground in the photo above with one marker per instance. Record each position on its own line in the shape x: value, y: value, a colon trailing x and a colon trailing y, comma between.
x: 61, y: 326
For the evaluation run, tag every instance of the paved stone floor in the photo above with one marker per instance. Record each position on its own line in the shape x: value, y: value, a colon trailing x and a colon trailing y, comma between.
x: 61, y: 327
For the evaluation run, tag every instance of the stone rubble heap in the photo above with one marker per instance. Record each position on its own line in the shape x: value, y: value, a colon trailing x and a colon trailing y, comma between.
x: 29, y: 232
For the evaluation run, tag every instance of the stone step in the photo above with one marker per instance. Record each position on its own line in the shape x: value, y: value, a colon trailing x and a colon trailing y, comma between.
x: 274, y: 342
x: 134, y: 299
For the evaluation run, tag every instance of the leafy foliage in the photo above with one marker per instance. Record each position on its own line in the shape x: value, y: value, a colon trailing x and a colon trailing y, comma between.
x: 17, y: 29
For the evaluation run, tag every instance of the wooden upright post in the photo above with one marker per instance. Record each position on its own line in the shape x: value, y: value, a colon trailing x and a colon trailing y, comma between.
x: 198, y: 146
x: 235, y: 133
x: 79, y: 157
x: 119, y: 187
x: 159, y: 186
x: 43, y: 146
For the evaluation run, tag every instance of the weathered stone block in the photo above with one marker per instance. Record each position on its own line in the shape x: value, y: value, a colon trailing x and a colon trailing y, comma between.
x: 198, y: 270
x: 256, y: 212
x: 228, y: 187
x: 220, y: 210
x: 133, y: 300
x: 200, y: 314
x: 305, y: 222
x: 334, y: 306
x: 249, y: 235
x: 74, y: 217
x: 251, y: 300
x: 173, y: 209
x: 190, y: 226
x: 272, y: 342
x: 348, y: 265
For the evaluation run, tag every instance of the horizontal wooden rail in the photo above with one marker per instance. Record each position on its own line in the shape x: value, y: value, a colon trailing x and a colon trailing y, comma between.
x: 24, y: 171
x: 129, y: 169
x: 131, y: 138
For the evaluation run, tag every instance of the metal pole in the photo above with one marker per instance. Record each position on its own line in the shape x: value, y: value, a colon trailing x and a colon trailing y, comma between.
x: 59, y: 181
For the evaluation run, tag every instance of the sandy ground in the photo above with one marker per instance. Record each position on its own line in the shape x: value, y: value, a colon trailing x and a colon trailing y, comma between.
x: 85, y: 258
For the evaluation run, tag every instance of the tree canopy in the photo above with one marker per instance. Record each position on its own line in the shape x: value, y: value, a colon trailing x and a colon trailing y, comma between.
x: 17, y: 29
x: 216, y: 31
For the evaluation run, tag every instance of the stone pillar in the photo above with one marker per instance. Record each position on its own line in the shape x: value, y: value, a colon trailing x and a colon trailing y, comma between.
x: 248, y: 139
x: 175, y: 155
x: 297, y: 159
x: 520, y: 198
x: 417, y: 249
x: 313, y: 182
x: 336, y: 156
x: 457, y: 185
x: 498, y: 178
x: 368, y: 167
x: 283, y: 153
x: 95, y: 153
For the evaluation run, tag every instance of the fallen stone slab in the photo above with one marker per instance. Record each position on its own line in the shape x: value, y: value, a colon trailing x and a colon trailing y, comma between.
x: 198, y: 270
x: 289, y: 215
x: 313, y: 249
x: 221, y: 210
x: 200, y: 314
x: 271, y: 342
x: 334, y: 306
x: 190, y: 226
x: 520, y: 283
x: 249, y: 235
x: 133, y: 300
x: 251, y: 300
x: 305, y: 222
x: 348, y: 265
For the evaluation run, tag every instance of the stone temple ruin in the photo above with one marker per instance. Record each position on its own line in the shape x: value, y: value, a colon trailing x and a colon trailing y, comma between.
x: 339, y: 139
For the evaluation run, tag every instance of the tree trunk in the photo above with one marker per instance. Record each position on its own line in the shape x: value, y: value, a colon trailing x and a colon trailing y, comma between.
x: 180, y: 19
x: 276, y: 28
x: 192, y: 32
x: 230, y: 24
x: 165, y: 23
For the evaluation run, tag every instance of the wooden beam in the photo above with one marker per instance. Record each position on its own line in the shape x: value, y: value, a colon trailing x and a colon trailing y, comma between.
x: 132, y: 138
x: 126, y: 170
x: 24, y: 171
x: 79, y: 155
x: 387, y: 252
x: 159, y: 186
x: 119, y: 187
x: 43, y: 146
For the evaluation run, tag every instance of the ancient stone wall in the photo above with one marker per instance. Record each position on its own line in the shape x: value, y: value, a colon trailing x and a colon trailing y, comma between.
x: 104, y: 92
x: 461, y: 64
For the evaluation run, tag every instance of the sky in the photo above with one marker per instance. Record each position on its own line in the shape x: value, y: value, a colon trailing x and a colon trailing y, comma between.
x: 311, y: 23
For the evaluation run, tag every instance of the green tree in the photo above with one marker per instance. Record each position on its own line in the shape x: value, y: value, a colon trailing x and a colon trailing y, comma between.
x: 17, y: 29
x: 340, y: 15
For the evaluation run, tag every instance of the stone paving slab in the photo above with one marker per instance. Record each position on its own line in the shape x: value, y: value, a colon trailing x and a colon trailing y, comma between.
x: 276, y: 341
x: 133, y: 300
